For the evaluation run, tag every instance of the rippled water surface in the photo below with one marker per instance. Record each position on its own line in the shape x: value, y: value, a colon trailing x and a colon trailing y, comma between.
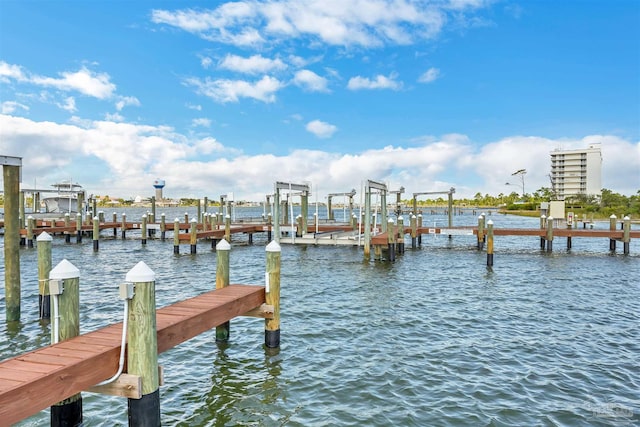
x: 435, y: 338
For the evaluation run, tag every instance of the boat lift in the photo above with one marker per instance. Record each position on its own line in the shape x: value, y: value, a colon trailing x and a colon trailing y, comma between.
x: 304, y: 191
x: 350, y: 195
x: 450, y: 193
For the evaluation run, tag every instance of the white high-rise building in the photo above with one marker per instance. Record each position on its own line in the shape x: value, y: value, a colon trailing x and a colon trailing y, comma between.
x: 576, y: 172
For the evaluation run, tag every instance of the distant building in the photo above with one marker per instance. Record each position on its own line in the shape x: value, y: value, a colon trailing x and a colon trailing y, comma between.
x: 576, y: 172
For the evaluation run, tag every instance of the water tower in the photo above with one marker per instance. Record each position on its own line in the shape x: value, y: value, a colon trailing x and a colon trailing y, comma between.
x: 158, y: 184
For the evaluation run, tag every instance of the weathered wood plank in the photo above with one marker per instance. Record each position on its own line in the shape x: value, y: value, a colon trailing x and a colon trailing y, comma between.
x: 76, y: 364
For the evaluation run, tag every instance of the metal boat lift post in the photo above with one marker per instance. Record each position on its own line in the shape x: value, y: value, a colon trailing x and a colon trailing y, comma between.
x: 304, y: 190
x: 382, y: 188
x: 350, y: 195
x: 450, y: 204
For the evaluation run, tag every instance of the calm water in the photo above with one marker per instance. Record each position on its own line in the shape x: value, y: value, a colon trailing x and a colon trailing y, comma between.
x: 434, y: 339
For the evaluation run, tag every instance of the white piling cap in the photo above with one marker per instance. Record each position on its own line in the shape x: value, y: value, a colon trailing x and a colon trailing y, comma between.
x: 490, y: 222
x: 400, y: 218
x: 223, y: 245
x: 79, y: 214
x: 390, y: 220
x: 480, y: 217
x: 140, y: 273
x: 144, y: 216
x: 613, y: 216
x: 64, y: 270
x: 550, y: 218
x: 626, y: 218
x: 162, y: 214
x: 193, y: 220
x: 228, y: 216
x: 176, y: 220
x: 29, y: 217
x: 96, y: 217
x: 413, y: 216
x: 273, y: 247
x: 44, y: 237
x: 66, y: 214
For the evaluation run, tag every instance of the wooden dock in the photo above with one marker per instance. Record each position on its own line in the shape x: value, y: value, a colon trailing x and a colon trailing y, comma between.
x: 34, y: 381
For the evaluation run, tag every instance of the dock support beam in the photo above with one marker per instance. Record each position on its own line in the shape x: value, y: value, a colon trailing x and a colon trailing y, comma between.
x: 550, y: 234
x: 123, y: 228
x: 96, y: 233
x: 143, y: 229
x: 391, y: 240
x: 66, y: 306
x: 176, y: 236
x: 44, y: 268
x: 223, y: 248
x: 272, y: 295
x: 11, y: 174
x: 612, y: 227
x: 193, y: 236
x: 142, y: 349
x: 489, y: 243
x: 626, y: 236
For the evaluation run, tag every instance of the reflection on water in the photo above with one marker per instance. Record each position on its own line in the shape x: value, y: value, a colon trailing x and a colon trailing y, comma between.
x: 436, y: 338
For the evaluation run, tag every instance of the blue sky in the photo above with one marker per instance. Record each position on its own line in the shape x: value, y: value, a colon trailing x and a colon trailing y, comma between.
x: 218, y: 97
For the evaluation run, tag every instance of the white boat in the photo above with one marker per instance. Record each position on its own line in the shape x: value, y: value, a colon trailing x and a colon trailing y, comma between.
x: 66, y: 199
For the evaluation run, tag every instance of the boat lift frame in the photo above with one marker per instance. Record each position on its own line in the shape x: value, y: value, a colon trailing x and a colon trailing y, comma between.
x: 305, y: 191
x: 450, y: 203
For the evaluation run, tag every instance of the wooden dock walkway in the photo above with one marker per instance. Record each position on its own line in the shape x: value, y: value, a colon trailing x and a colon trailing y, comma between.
x: 36, y: 380
x: 382, y: 238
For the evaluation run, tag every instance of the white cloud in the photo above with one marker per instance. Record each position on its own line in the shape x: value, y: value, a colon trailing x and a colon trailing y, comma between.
x: 9, y: 107
x: 380, y: 82
x: 206, y: 62
x: 85, y: 81
x: 310, y: 81
x: 255, y: 64
x: 204, y: 122
x: 364, y: 23
x: 132, y: 156
x: 69, y: 104
x: 429, y: 76
x: 123, y: 101
x: 223, y: 90
x: 10, y: 71
x: 321, y: 129
x: 115, y: 117
x: 193, y: 106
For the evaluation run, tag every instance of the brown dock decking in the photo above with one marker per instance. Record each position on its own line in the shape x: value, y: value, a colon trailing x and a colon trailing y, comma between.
x: 36, y: 380
x: 382, y: 238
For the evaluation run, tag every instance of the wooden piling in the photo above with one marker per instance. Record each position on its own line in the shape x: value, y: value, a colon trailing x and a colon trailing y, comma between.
x: 227, y: 228
x: 176, y: 236
x: 114, y: 220
x: 543, y: 225
x: 419, y: 220
x: 78, y: 228
x: 414, y: 230
x: 67, y: 223
x: 143, y: 229
x: 626, y: 235
x: 142, y: 348
x: 123, y: 228
x: 391, y: 240
x: 480, y: 232
x: 186, y: 217
x: 96, y: 234
x: 67, y: 316
x: 400, y: 233
x: 299, y: 226
x: 193, y: 236
x: 44, y: 268
x: 11, y: 176
x: 163, y: 227
x: 490, y: 243
x: 550, y: 234
x: 272, y: 295
x: 30, y: 223
x: 612, y: 227
x: 223, y: 248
